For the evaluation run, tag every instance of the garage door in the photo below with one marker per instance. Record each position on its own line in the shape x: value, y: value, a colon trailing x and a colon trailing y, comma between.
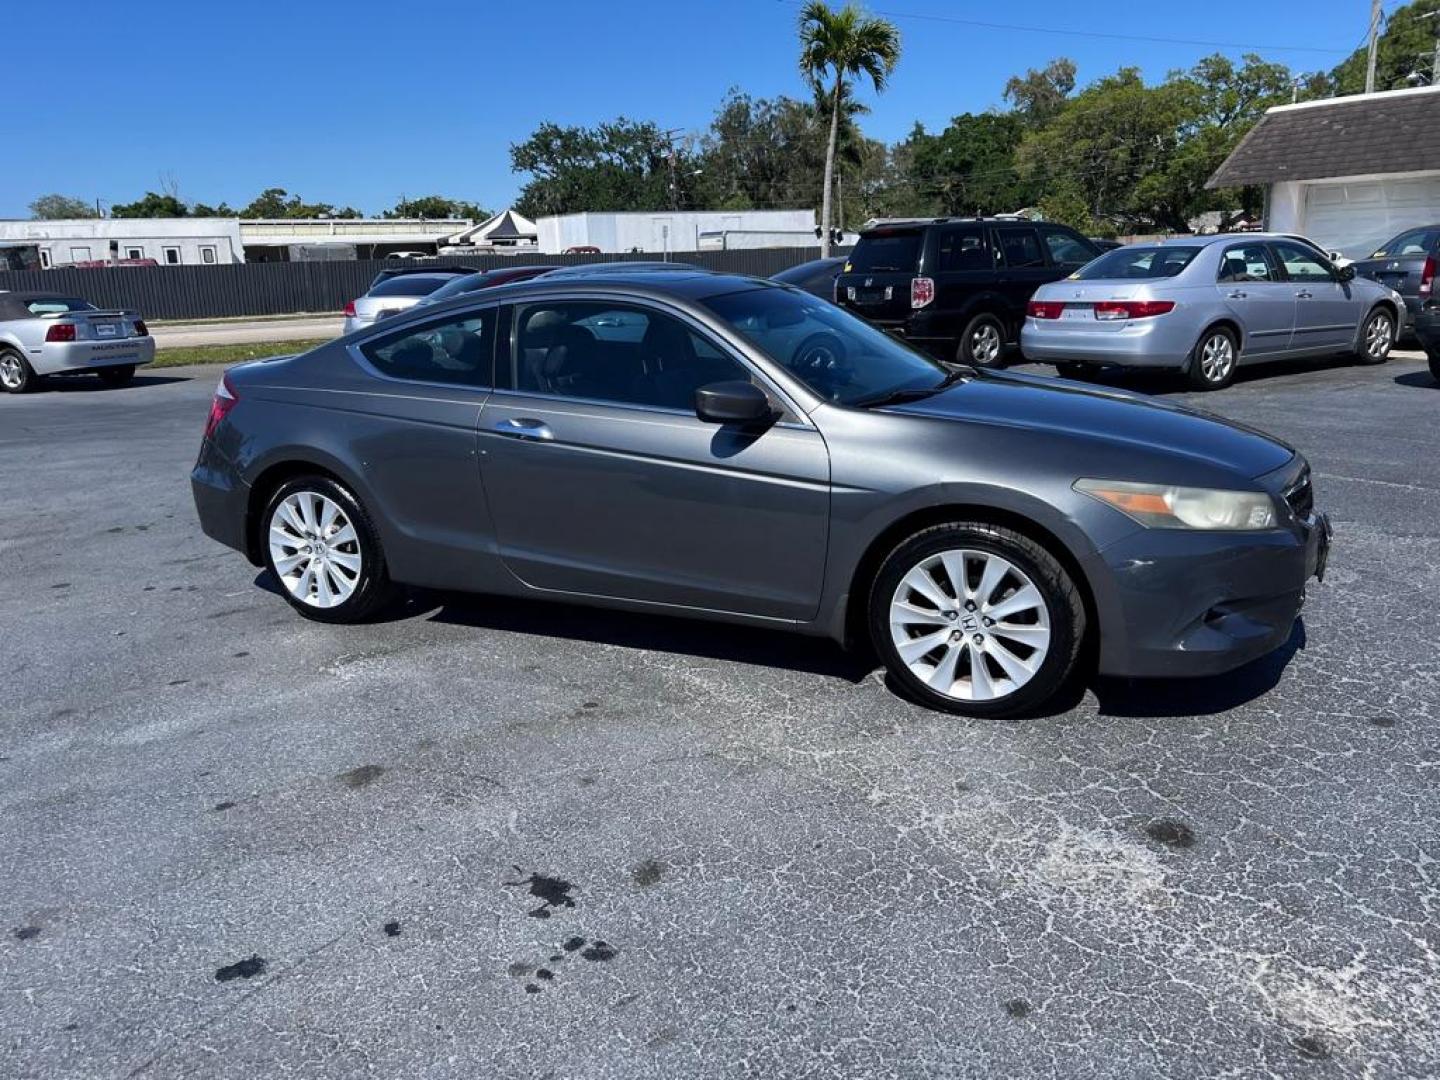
x: 1356, y: 218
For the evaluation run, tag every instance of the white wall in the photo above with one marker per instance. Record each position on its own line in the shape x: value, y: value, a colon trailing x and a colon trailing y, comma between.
x: 663, y: 230
x: 1355, y: 214
x: 82, y: 239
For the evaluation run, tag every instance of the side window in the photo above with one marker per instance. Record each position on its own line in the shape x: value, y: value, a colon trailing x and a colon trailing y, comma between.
x: 1301, y: 264
x: 455, y: 350
x: 1247, y: 262
x: 615, y: 353
x: 1020, y: 248
x: 963, y: 248
x: 1066, y: 250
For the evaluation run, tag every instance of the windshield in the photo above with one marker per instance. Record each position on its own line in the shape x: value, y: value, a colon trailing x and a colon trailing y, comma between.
x: 832, y: 352
x: 885, y: 252
x: 1137, y: 263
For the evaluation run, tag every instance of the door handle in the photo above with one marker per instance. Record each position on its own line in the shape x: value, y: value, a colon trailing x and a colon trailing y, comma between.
x: 1304, y: 295
x: 1237, y: 295
x: 524, y: 428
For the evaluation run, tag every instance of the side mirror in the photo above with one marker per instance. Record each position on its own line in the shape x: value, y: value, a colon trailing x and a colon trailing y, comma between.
x: 736, y: 402
x: 1346, y: 272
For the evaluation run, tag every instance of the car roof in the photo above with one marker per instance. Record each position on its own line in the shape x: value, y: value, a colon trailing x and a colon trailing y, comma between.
x: 12, y: 304
x: 641, y: 284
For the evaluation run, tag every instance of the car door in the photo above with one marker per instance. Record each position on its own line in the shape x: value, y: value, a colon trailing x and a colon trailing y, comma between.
x: 963, y: 268
x: 1068, y: 250
x: 1021, y: 268
x: 603, y: 481
x: 1250, y: 288
x: 1327, y: 314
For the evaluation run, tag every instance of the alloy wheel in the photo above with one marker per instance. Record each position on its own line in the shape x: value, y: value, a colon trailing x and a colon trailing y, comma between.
x: 1217, y: 358
x: 12, y: 375
x: 1379, y: 336
x: 315, y: 549
x: 985, y: 343
x: 970, y: 625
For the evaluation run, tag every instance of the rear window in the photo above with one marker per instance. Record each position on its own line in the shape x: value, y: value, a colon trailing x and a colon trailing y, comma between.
x: 409, y: 285
x: 1137, y: 263
x: 1414, y: 242
x: 57, y: 305
x: 886, y: 252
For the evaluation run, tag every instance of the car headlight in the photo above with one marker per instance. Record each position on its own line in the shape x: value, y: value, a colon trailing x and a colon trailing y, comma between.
x: 1163, y: 506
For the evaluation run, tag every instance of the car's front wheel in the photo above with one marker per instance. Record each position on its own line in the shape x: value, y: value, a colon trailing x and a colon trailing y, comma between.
x: 116, y: 376
x: 1377, y: 337
x: 324, y: 551
x: 16, y: 374
x: 976, y: 619
x: 983, y: 342
x: 1213, y: 360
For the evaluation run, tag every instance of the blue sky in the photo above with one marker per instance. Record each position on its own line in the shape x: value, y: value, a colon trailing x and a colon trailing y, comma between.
x: 358, y: 102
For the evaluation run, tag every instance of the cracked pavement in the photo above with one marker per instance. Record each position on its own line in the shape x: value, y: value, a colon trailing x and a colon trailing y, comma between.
x: 498, y: 839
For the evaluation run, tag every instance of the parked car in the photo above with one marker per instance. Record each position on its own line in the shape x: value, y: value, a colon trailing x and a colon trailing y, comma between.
x: 1406, y: 264
x: 483, y: 279
x: 620, y: 266
x: 957, y: 287
x: 45, y: 333
x: 817, y: 276
x: 1206, y: 305
x: 758, y: 456
x: 1103, y: 244
x: 400, y: 269
x: 393, y: 294
x: 581, y: 249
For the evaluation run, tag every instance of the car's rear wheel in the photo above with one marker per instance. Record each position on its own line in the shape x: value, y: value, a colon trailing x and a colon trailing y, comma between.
x: 983, y: 342
x: 976, y: 619
x: 324, y: 551
x: 116, y: 376
x: 1213, y: 360
x: 1377, y: 337
x: 16, y: 374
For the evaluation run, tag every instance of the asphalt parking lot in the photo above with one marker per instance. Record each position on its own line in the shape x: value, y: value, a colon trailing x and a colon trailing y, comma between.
x: 490, y: 839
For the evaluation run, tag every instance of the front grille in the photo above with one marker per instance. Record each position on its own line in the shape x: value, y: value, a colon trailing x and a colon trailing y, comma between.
x: 1300, y: 496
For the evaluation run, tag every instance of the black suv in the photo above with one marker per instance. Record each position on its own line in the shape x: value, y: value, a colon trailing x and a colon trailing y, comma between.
x: 957, y: 287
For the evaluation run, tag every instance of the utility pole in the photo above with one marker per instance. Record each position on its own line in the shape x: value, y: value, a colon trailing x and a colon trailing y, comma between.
x: 1374, y: 43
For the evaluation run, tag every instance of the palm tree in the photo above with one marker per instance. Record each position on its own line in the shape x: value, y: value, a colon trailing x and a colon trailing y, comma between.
x: 844, y: 44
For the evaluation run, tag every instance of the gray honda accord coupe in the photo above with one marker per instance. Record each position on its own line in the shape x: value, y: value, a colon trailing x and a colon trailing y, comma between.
x: 733, y: 449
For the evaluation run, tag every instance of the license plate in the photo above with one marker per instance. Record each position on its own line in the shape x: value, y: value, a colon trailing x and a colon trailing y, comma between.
x: 1076, y: 313
x: 107, y: 329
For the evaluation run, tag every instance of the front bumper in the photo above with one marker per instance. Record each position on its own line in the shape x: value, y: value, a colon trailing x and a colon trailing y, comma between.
x: 73, y: 357
x: 1179, y: 602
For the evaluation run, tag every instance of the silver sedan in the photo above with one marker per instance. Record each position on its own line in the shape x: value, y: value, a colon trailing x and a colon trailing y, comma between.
x: 1205, y: 305
x: 47, y: 333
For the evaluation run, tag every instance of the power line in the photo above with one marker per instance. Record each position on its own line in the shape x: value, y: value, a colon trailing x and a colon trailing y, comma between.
x: 1063, y: 32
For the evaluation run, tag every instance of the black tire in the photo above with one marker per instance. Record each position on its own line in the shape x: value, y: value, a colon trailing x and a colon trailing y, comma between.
x: 373, y: 589
x: 116, y: 376
x: 1202, y: 360
x: 1063, y: 606
x: 982, y: 344
x: 1078, y: 372
x: 1376, y: 350
x: 17, y: 376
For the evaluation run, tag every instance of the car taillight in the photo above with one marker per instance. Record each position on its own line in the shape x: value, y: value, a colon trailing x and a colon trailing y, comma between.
x: 61, y: 332
x: 1044, y: 309
x: 141, y: 329
x: 220, y: 405
x: 922, y: 291
x: 350, y: 310
x: 1132, y: 309
x: 1427, y: 275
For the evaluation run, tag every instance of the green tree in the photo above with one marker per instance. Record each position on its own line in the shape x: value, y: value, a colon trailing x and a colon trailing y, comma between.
x: 1405, y: 55
x: 837, y: 47
x: 206, y: 210
x: 1040, y: 93
x: 620, y: 165
x: 436, y: 206
x: 969, y: 167
x: 151, y: 206
x: 279, y: 203
x: 58, y: 207
x: 760, y: 154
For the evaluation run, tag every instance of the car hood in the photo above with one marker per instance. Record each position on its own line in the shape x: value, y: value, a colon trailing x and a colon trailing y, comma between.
x: 1117, y: 417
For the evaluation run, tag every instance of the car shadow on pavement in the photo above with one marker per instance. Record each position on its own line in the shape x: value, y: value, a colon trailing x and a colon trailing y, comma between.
x: 1160, y: 383
x: 72, y: 384
x: 1197, y: 697
x: 654, y: 633
x: 1418, y: 378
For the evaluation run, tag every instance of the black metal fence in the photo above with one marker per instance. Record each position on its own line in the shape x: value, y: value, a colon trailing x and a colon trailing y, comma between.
x: 239, y: 289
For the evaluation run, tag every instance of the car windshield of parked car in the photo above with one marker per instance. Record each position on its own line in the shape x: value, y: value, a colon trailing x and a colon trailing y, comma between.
x: 839, y: 357
x: 885, y: 252
x: 57, y: 305
x: 1137, y: 263
x: 1414, y: 242
x: 409, y: 285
